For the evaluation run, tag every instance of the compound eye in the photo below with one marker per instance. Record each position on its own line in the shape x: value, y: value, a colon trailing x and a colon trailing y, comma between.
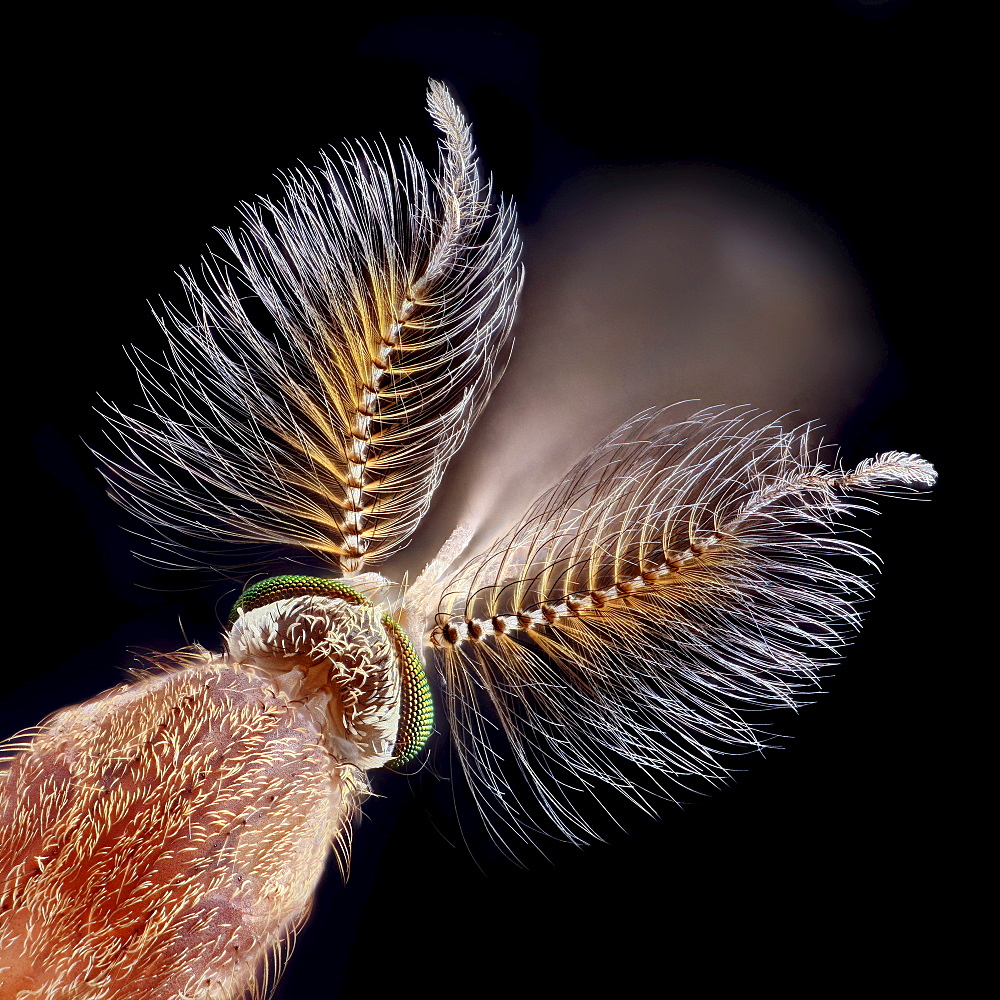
x: 416, y: 709
x: 281, y: 588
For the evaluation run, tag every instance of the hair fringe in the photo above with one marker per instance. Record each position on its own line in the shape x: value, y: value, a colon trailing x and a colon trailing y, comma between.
x: 681, y: 572
x: 322, y: 375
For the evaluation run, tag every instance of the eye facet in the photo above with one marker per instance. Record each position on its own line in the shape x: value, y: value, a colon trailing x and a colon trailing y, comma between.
x: 280, y: 588
x: 416, y: 710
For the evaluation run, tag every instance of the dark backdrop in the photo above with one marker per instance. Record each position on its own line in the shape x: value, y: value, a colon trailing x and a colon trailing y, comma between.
x: 821, y: 862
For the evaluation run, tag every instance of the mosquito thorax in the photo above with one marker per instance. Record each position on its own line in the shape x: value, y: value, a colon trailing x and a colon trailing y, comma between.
x: 325, y: 642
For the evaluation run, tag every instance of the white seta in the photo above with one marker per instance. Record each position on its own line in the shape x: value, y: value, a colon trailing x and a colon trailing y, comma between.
x: 388, y: 295
x: 165, y: 838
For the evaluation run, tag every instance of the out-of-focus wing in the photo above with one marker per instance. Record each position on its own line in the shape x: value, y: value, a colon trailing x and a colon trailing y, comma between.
x: 684, y: 569
x: 322, y: 376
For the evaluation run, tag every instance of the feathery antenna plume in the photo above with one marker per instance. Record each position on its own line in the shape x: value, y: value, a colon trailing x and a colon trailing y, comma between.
x: 681, y: 570
x: 322, y: 413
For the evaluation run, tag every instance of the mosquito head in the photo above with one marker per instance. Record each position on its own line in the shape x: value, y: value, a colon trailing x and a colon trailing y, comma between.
x: 324, y: 641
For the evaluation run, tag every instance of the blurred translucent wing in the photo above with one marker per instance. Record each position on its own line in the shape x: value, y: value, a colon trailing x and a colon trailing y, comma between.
x: 679, y: 572
x: 322, y: 376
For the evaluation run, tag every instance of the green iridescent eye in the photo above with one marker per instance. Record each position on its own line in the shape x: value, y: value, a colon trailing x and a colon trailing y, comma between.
x: 280, y: 588
x: 416, y: 710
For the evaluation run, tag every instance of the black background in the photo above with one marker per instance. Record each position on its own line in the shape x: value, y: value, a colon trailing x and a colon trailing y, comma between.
x: 821, y: 863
